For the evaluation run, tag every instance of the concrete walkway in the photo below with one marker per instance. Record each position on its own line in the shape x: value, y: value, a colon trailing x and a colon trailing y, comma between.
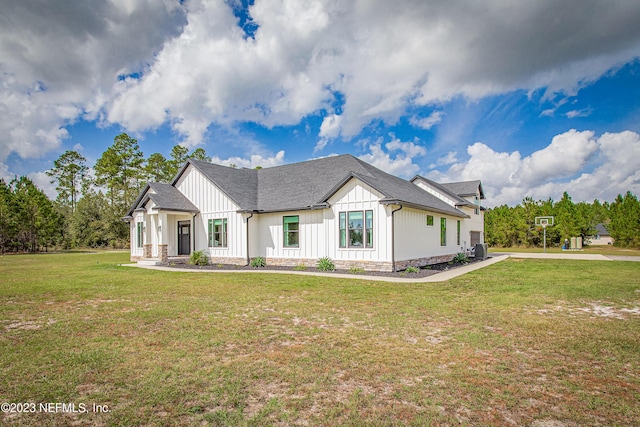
x: 438, y: 277
x: 564, y: 255
x: 568, y: 255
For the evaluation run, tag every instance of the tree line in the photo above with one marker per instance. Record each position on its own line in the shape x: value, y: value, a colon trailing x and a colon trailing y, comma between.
x: 89, y: 207
x: 507, y: 226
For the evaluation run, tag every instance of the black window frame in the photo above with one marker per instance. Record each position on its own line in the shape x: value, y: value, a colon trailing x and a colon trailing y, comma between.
x: 345, y: 230
x: 139, y: 234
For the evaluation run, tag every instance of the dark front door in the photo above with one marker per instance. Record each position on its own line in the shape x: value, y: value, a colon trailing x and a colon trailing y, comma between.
x: 184, y: 237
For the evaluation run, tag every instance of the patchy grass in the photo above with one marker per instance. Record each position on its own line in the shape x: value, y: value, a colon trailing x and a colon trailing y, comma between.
x: 524, y: 342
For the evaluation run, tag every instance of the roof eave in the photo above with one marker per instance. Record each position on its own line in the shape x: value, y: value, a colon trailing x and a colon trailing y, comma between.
x: 423, y: 207
x: 138, y: 199
x: 166, y: 208
x: 315, y: 207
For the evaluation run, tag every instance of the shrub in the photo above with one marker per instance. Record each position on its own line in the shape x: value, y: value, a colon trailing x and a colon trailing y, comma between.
x: 354, y: 269
x: 300, y: 267
x: 326, y: 264
x: 412, y: 269
x: 460, y: 258
x: 199, y: 258
x: 258, y: 262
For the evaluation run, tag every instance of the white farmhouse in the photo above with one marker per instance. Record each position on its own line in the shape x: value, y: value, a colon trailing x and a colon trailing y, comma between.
x: 338, y: 207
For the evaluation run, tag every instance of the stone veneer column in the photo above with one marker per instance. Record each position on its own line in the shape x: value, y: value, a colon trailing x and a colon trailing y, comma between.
x: 162, y: 251
x: 146, y: 250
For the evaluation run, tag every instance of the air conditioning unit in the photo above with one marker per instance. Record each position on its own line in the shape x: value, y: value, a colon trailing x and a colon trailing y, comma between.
x: 482, y: 251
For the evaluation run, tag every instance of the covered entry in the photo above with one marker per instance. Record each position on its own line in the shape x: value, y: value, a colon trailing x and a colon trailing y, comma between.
x: 184, y: 237
x: 161, y: 224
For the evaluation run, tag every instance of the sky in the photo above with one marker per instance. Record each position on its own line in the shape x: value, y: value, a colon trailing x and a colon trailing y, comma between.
x: 532, y: 98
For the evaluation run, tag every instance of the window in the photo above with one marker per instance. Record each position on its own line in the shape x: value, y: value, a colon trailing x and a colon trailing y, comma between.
x: 140, y: 236
x: 368, y: 229
x: 356, y: 229
x: 291, y: 227
x: 218, y: 233
x: 477, y: 208
x: 458, y: 235
x: 430, y: 220
x: 443, y: 231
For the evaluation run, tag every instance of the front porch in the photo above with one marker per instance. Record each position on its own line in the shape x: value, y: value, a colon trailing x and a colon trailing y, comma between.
x: 164, y: 237
x: 161, y: 224
x: 182, y: 259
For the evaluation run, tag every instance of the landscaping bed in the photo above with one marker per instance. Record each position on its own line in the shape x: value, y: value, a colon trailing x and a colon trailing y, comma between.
x: 421, y: 272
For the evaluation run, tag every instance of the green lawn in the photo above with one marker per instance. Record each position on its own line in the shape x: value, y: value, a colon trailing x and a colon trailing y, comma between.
x: 522, y: 342
x: 600, y: 249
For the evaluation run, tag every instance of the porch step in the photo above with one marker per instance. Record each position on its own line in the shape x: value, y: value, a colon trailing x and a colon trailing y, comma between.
x: 150, y: 261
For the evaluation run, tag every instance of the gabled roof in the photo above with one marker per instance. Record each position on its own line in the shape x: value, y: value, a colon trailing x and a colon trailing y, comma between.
x: 310, y: 184
x: 601, y: 230
x: 164, y: 197
x: 457, y: 199
x: 465, y: 188
x: 240, y: 185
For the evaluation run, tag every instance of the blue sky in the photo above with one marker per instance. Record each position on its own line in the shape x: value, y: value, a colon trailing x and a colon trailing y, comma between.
x: 532, y: 99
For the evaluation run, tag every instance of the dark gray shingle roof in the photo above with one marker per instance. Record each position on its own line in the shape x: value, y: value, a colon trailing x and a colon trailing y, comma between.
x: 240, y: 185
x: 309, y: 184
x: 297, y: 186
x: 602, y: 230
x: 465, y: 188
x: 168, y: 197
x: 165, y: 197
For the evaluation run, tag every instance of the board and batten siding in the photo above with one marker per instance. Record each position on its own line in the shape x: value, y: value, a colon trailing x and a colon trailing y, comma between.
x: 136, y: 252
x: 474, y: 223
x: 267, y: 235
x: 356, y: 195
x: 429, y: 189
x: 213, y: 204
x: 319, y: 231
x: 415, y: 239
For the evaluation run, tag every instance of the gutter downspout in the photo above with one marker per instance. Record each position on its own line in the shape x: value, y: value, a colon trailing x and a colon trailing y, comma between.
x: 393, y: 240
x: 248, y: 257
x: 193, y: 231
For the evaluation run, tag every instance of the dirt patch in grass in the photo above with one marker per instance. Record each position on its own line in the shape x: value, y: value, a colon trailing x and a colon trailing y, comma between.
x: 594, y: 310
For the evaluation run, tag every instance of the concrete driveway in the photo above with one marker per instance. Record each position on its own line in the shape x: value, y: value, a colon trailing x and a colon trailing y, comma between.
x: 567, y: 255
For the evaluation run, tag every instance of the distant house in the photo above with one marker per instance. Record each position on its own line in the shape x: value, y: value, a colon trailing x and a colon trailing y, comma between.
x: 340, y: 207
x: 602, y: 236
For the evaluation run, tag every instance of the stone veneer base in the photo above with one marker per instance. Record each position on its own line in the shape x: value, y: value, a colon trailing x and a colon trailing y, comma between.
x: 423, y: 262
x: 366, y: 265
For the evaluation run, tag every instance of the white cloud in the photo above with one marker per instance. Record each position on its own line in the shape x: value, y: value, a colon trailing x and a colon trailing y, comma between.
x: 382, y: 57
x: 329, y: 129
x: 566, y: 155
x: 409, y: 149
x: 585, y: 112
x: 253, y: 161
x: 427, y: 122
x: 400, y: 165
x: 42, y: 181
x: 450, y: 158
x: 561, y: 166
x: 60, y: 60
x: 145, y: 63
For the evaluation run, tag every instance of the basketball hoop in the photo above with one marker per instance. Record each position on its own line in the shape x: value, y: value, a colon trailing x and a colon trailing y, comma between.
x: 544, y: 222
